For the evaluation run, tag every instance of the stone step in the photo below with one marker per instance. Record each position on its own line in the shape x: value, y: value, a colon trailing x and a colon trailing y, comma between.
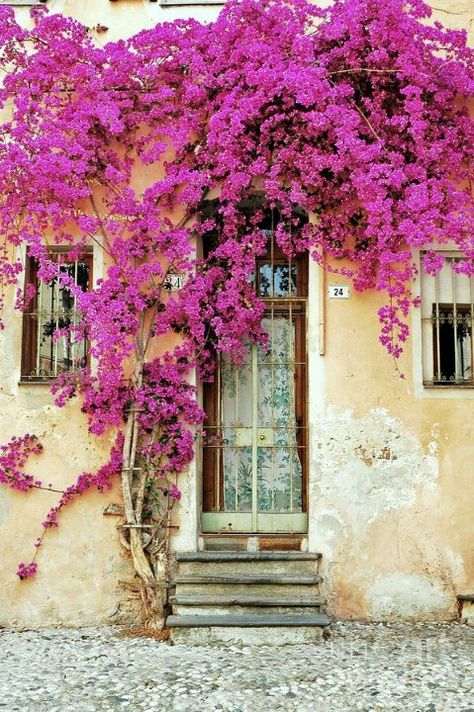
x: 227, y: 585
x: 267, y: 580
x: 242, y: 605
x: 206, y: 556
x: 180, y: 610
x: 228, y: 635
x: 247, y: 566
x: 247, y: 563
x: 255, y: 584
x: 255, y: 621
x: 245, y: 600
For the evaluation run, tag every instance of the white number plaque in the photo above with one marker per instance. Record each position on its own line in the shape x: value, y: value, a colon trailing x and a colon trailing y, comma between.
x: 173, y: 282
x: 338, y: 291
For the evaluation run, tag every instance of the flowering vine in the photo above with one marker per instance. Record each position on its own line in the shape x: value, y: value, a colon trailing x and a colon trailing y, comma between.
x: 356, y: 114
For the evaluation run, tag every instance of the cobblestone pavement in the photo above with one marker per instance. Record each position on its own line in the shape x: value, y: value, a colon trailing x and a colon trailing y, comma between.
x: 426, y: 668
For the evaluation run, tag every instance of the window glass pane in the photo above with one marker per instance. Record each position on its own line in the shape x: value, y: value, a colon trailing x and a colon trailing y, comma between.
x: 275, y: 281
x: 265, y: 288
x: 452, y: 335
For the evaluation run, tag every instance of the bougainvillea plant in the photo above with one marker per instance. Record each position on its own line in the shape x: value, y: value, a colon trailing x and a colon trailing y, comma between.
x: 356, y: 114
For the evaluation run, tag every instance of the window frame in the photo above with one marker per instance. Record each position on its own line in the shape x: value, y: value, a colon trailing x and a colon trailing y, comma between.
x: 29, y: 335
x: 427, y: 361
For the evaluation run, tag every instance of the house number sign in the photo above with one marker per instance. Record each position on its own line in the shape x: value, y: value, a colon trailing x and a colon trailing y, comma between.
x: 338, y: 291
x: 173, y: 282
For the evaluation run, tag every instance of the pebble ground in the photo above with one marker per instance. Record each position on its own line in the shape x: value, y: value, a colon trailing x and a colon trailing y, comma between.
x: 415, y: 668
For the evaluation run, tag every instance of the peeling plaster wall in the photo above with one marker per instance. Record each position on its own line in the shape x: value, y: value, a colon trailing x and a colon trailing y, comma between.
x: 372, y: 477
x: 391, y: 477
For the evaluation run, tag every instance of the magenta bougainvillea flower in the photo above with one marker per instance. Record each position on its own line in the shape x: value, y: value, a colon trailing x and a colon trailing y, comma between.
x: 26, y: 570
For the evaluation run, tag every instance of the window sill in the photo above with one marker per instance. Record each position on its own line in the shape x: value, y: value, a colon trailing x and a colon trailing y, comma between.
x: 190, y: 3
x: 448, y: 386
x: 36, y: 383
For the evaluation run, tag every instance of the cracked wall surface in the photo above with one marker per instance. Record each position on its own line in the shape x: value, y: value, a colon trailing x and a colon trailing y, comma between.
x: 377, y: 520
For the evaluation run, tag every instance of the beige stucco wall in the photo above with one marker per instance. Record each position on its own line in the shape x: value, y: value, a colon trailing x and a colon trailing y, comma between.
x: 392, y: 477
x: 391, y: 471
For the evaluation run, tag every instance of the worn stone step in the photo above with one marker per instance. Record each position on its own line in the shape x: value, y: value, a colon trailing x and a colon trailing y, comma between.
x: 179, y: 610
x: 242, y: 605
x: 247, y: 585
x: 227, y: 635
x: 236, y: 580
x: 205, y: 556
x: 245, y: 600
x: 279, y: 563
x: 252, y: 621
x: 248, y: 567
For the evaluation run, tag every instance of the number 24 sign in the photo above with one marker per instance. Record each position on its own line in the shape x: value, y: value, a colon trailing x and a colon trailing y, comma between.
x: 173, y: 282
x: 338, y: 291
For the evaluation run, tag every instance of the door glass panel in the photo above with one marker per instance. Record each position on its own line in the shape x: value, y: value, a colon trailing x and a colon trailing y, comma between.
x: 238, y: 479
x: 236, y: 384
x: 237, y: 418
x: 279, y: 470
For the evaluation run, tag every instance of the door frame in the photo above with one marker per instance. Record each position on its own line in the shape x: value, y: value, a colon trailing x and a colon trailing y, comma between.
x: 214, y: 519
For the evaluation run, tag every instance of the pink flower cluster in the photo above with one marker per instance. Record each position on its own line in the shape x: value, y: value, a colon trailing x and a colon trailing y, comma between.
x: 26, y: 570
x: 13, y: 457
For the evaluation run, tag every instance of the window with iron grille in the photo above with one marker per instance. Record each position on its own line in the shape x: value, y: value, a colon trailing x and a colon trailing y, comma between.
x: 53, y: 307
x: 447, y: 315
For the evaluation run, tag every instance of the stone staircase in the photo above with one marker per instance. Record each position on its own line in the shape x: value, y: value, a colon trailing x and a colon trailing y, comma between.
x: 253, y: 597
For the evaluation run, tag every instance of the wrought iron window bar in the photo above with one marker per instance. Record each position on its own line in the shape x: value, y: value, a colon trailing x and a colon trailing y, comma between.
x: 448, y: 327
x: 44, y: 356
